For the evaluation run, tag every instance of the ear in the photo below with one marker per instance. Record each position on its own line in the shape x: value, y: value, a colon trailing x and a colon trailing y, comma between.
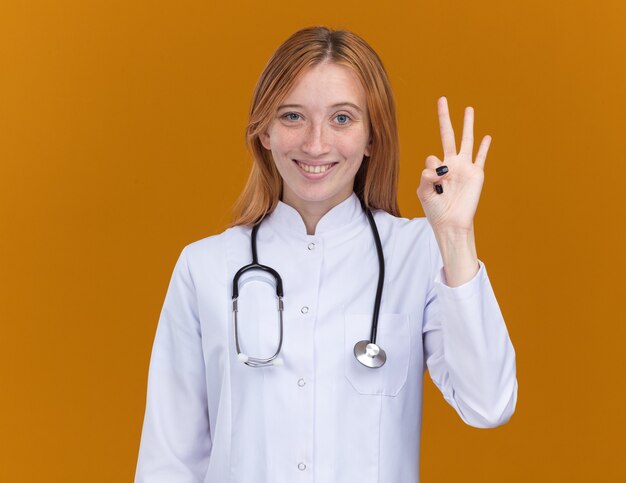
x: 265, y: 140
x: 368, y: 148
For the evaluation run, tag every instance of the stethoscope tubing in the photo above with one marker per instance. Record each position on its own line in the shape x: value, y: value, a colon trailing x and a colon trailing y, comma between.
x: 381, y: 272
x: 366, y: 352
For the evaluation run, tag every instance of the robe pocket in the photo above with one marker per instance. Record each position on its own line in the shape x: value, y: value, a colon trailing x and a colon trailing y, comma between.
x: 394, y: 337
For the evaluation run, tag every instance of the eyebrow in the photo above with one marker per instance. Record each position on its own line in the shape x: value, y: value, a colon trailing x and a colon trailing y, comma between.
x: 339, y: 104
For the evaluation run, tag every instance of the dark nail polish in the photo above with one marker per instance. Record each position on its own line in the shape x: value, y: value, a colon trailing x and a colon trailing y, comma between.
x: 441, y: 170
x: 439, y: 188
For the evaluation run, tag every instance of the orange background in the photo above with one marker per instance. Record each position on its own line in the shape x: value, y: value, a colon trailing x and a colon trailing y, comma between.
x: 121, y: 141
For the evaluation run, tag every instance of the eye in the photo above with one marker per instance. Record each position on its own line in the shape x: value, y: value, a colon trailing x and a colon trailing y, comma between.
x: 342, y: 119
x: 291, y: 116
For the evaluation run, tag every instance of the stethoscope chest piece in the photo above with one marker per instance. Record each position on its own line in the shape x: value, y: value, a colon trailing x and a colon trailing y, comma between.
x: 369, y: 354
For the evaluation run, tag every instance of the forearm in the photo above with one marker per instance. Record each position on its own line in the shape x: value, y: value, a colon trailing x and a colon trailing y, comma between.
x: 471, y: 357
x: 458, y: 251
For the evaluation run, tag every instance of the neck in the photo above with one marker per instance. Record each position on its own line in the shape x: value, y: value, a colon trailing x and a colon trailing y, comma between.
x: 310, y: 221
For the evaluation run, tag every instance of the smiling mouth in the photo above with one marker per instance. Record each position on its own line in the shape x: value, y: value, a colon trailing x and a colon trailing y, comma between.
x: 314, y: 169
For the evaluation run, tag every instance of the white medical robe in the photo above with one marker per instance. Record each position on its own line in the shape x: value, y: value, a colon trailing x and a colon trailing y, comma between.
x: 321, y: 417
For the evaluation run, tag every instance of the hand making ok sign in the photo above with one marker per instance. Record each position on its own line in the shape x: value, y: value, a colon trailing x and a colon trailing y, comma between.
x: 449, y: 190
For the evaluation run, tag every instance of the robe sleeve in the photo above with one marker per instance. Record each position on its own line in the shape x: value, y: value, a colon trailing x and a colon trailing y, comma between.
x: 176, y: 442
x: 467, y: 349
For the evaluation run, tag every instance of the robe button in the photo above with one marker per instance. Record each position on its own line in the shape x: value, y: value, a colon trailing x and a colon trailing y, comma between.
x: 301, y: 382
x: 304, y: 310
x: 311, y: 246
x: 301, y: 466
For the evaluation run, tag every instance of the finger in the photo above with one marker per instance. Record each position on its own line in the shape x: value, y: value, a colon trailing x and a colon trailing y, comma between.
x: 427, y: 183
x: 433, y: 162
x: 430, y: 176
x: 467, y: 140
x: 481, y: 156
x: 445, y: 128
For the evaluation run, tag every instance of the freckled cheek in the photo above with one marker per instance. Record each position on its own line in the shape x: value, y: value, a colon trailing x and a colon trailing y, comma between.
x: 288, y: 142
x: 351, y: 149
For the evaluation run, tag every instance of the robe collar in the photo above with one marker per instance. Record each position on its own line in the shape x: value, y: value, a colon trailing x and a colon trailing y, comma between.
x: 340, y: 221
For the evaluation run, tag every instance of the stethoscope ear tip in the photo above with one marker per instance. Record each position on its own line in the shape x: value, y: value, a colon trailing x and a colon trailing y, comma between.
x: 242, y: 357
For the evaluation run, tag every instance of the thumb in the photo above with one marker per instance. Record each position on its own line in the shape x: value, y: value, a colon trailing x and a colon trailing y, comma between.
x: 430, y: 178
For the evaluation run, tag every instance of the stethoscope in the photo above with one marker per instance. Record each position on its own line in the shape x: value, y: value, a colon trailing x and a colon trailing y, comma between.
x: 367, y: 352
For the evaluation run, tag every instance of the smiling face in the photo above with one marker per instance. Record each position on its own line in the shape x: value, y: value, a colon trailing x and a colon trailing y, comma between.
x: 318, y: 137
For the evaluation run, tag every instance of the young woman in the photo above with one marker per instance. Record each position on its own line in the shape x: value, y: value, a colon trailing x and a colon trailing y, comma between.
x: 292, y: 346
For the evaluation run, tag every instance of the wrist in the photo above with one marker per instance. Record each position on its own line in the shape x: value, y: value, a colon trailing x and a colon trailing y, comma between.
x: 458, y: 251
x: 455, y: 241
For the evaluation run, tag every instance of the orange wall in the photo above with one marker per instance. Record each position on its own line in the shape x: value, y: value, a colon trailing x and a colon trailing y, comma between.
x: 121, y: 141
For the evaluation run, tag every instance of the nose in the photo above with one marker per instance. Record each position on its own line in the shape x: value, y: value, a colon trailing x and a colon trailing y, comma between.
x: 315, y: 142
